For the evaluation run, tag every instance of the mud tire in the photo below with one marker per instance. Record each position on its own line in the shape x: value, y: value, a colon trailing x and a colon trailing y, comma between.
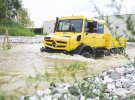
x: 86, y: 54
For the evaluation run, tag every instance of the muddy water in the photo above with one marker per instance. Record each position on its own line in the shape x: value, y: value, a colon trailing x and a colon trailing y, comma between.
x: 22, y: 60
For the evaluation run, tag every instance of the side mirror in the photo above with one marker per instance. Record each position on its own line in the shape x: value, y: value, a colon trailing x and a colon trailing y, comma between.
x: 57, y: 20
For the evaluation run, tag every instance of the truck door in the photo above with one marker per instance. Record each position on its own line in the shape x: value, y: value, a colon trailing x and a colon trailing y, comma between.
x: 89, y: 35
x: 100, y: 37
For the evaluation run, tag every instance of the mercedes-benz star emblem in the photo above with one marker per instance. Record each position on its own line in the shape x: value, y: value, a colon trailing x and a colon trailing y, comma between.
x: 53, y: 43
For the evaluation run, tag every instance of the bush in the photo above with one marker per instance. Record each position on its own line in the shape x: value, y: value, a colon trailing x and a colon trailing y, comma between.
x: 131, y: 40
x: 14, y: 28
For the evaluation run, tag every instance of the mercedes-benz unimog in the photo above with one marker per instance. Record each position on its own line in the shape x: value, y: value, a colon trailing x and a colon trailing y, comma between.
x: 84, y: 36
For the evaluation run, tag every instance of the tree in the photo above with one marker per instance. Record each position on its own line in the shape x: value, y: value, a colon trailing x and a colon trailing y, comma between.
x: 9, y: 8
x: 2, y: 9
x: 12, y: 9
x: 23, y: 17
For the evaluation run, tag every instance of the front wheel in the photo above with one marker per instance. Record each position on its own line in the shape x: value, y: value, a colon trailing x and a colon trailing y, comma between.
x: 86, y: 54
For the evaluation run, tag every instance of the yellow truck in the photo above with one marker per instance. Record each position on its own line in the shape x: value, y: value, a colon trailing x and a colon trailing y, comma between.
x: 84, y: 36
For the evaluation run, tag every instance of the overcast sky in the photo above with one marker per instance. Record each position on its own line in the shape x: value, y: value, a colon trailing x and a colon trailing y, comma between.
x: 44, y: 10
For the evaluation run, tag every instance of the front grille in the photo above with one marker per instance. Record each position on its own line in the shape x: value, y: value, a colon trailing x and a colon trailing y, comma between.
x: 49, y: 44
x: 62, y: 42
x: 48, y: 40
x: 59, y: 44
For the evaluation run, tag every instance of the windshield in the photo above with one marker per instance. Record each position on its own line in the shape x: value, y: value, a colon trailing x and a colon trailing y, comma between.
x: 71, y: 25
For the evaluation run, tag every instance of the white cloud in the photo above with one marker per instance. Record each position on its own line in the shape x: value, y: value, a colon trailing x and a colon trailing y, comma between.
x: 42, y: 10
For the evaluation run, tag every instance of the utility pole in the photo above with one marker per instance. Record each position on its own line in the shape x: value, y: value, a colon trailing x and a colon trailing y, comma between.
x: 6, y: 44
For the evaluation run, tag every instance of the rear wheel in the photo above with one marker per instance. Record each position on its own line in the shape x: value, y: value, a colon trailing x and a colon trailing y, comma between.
x: 122, y: 50
x: 107, y: 52
x: 117, y: 50
x: 99, y: 53
x: 112, y: 51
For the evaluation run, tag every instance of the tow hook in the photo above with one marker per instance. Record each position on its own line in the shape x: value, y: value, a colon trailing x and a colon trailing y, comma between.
x: 42, y: 49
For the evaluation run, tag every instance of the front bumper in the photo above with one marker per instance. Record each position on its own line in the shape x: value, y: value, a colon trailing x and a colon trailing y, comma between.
x: 49, y: 50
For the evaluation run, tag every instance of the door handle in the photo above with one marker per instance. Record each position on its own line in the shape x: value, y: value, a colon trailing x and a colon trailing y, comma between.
x: 93, y: 37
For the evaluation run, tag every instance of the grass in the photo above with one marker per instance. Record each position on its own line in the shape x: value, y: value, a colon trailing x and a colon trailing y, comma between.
x: 14, y: 28
x: 64, y: 73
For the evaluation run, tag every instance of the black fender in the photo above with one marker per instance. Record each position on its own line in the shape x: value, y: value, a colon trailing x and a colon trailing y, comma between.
x: 82, y: 47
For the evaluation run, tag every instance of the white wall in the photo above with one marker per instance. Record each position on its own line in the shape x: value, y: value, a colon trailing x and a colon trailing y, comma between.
x: 48, y: 27
x: 121, y: 23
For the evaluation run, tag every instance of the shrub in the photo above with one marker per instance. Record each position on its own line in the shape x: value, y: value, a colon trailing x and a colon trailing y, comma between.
x: 14, y: 28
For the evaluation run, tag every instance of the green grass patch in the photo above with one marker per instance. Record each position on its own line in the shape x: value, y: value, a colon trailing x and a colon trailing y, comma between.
x: 14, y: 29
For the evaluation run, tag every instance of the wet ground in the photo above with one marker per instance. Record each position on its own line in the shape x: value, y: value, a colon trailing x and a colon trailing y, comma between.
x: 22, y: 60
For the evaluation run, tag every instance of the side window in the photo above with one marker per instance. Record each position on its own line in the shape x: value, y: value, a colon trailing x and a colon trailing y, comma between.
x: 95, y: 26
x: 63, y: 25
x: 100, y: 28
x: 89, y: 27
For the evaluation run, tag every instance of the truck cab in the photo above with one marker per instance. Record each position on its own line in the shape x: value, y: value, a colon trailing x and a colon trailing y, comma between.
x: 81, y: 35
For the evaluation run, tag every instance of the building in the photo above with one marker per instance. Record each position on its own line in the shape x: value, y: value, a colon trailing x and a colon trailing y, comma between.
x: 119, y: 23
x: 48, y: 26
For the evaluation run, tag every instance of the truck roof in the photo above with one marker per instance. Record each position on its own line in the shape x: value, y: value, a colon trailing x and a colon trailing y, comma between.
x: 72, y: 17
x: 82, y: 17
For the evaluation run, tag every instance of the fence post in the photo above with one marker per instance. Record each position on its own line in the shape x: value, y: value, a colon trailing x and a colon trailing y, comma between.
x: 6, y: 44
